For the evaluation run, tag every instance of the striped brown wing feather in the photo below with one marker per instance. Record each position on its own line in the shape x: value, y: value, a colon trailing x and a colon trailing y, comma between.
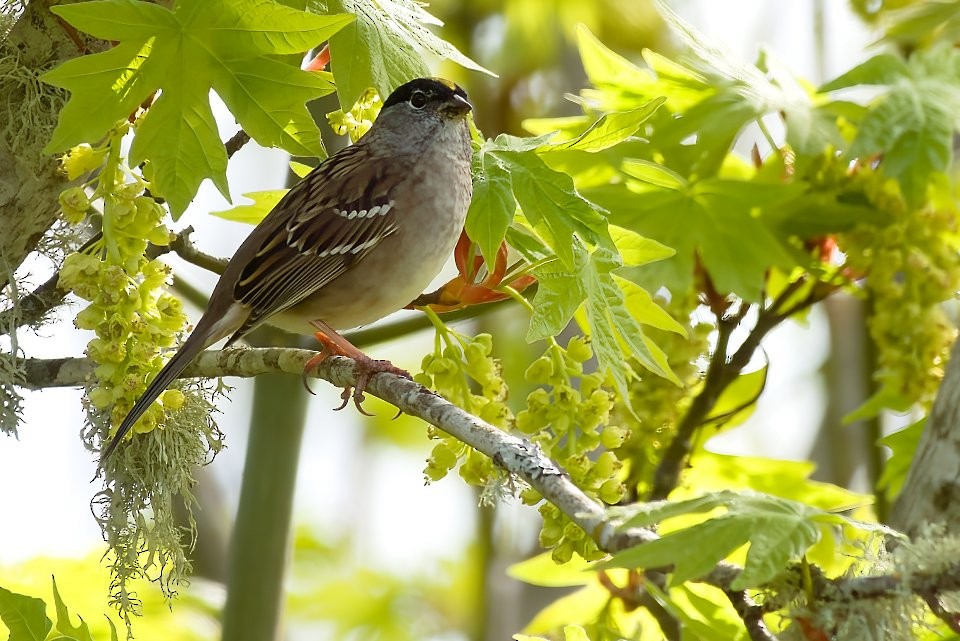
x: 312, y: 236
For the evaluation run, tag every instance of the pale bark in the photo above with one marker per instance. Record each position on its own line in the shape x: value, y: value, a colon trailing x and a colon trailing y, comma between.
x: 29, y: 179
x: 931, y: 493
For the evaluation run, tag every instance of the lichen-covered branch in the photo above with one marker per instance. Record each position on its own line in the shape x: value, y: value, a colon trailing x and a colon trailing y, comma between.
x: 752, y: 615
x: 516, y: 455
x: 30, y: 181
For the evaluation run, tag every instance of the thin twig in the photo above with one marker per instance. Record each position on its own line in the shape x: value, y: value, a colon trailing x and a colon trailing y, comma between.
x: 952, y: 619
x: 185, y: 249
x: 751, y: 614
x: 236, y: 142
x: 721, y: 373
x: 32, y: 308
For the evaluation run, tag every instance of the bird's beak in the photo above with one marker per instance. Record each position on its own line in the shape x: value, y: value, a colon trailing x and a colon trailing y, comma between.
x: 458, y: 106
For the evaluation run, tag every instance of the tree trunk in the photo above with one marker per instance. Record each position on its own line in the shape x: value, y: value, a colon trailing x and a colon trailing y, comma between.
x: 29, y: 179
x: 931, y: 493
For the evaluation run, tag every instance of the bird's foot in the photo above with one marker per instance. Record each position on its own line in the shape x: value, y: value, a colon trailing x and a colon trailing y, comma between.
x: 311, y: 366
x: 365, y: 367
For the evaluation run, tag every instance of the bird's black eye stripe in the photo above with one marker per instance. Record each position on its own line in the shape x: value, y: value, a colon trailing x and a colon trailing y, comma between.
x: 418, y: 99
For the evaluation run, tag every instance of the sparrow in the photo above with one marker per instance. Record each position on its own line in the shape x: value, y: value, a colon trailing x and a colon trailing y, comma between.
x: 355, y: 240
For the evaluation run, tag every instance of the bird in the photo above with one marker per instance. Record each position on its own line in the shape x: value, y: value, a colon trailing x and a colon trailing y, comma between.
x: 357, y: 239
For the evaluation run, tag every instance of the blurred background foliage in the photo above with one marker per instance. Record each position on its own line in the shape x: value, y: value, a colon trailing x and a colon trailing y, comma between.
x: 532, y: 47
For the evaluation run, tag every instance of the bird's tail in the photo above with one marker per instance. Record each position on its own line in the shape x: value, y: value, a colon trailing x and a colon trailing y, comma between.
x: 198, y: 341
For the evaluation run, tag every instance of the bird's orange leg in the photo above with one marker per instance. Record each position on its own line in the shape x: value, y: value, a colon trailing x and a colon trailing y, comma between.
x: 336, y: 345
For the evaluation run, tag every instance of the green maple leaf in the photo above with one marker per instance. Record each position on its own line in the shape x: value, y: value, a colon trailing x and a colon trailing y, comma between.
x: 492, y: 208
x: 382, y: 47
x: 712, y: 96
x: 777, y: 530
x: 552, y: 204
x: 617, y: 333
x: 610, y: 309
x: 913, y: 121
x: 233, y: 48
x: 924, y: 23
x: 78, y: 632
x: 549, y: 199
x: 717, y: 219
x: 24, y: 616
x: 903, y: 445
x: 513, y: 171
x: 263, y: 204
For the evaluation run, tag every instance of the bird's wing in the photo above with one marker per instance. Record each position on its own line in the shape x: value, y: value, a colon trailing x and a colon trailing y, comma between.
x: 313, y: 236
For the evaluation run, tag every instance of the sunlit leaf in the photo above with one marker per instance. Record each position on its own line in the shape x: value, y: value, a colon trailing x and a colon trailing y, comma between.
x: 903, y: 445
x: 775, y: 530
x: 185, y: 52
x: 263, y: 203
x: 714, y: 219
x: 635, y: 250
x: 609, y: 129
x: 912, y: 123
x: 79, y: 632
x: 382, y: 48
x: 24, y: 616
x: 542, y: 570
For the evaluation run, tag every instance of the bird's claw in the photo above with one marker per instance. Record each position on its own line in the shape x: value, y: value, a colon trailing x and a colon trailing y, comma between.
x: 365, y: 369
x: 312, y: 365
x: 355, y: 393
x: 346, y: 398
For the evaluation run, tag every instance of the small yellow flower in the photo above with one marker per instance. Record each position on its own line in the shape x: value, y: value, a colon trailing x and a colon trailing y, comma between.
x: 81, y: 160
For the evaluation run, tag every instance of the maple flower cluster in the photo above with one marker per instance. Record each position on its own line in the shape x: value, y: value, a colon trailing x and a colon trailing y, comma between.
x: 133, y: 316
x: 359, y: 119
x: 912, y: 266
x: 567, y: 415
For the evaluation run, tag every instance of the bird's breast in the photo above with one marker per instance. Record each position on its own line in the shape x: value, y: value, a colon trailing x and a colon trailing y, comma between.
x: 430, y: 208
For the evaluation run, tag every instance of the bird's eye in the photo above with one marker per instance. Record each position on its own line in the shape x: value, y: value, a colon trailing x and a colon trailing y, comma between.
x: 418, y: 100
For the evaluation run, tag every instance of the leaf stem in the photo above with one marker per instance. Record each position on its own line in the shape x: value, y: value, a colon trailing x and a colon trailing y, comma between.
x: 767, y: 135
x: 518, y: 297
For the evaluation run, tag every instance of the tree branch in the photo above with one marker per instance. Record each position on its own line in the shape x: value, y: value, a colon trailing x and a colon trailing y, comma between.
x: 722, y: 372
x: 936, y: 605
x: 185, y: 249
x: 33, y: 307
x: 517, y: 456
x: 236, y: 142
x: 752, y: 615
